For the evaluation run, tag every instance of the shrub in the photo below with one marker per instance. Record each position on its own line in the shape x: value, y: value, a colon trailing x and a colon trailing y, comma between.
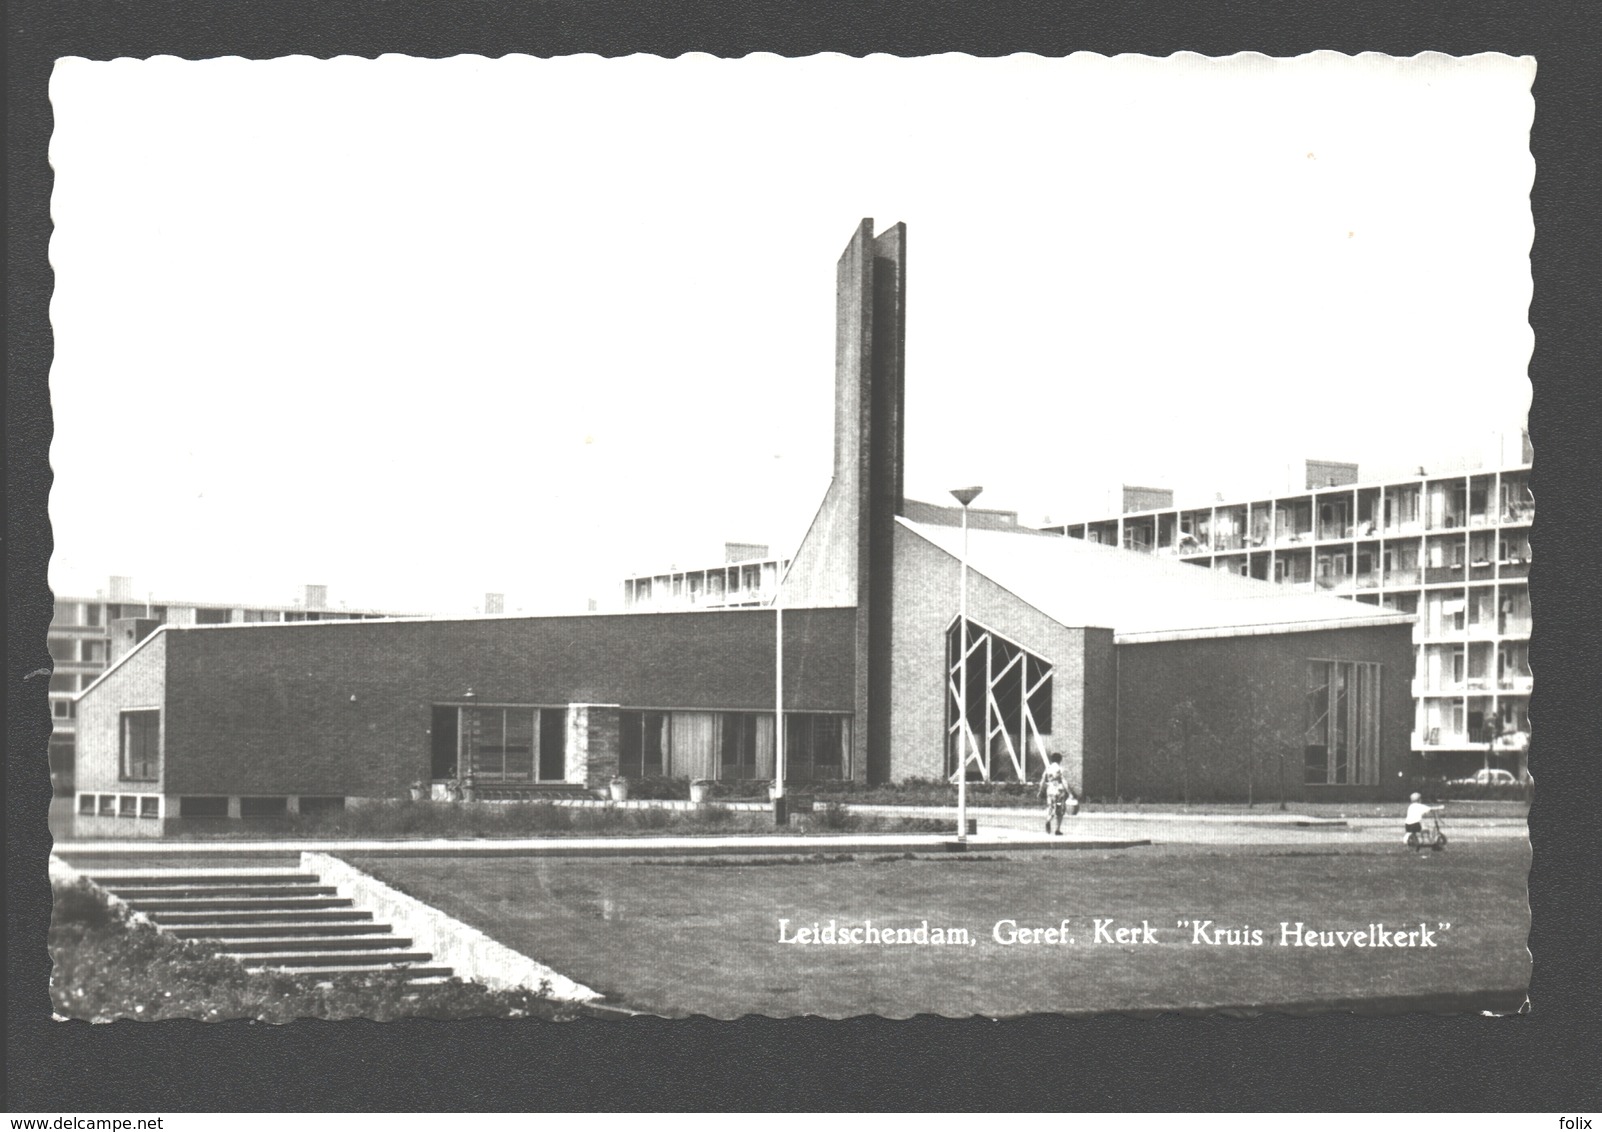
x: 81, y: 905
x: 659, y: 788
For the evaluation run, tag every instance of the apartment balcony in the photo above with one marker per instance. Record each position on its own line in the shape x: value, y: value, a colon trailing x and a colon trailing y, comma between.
x: 1515, y: 627
x: 1400, y: 578
x: 1516, y: 685
x: 1369, y: 580
x: 59, y: 629
x: 1441, y: 739
x: 1481, y: 521
x: 1514, y: 516
x: 1336, y: 584
x: 1435, y: 575
x: 1513, y: 568
x: 1398, y: 530
x: 1446, y: 689
x: 1482, y: 571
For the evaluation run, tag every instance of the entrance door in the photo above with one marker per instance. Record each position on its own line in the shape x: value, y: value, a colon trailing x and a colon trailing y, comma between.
x: 553, y: 745
x: 443, y: 742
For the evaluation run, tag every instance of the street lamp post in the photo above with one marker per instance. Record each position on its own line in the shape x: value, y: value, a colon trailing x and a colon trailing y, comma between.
x: 781, y: 805
x: 964, y: 496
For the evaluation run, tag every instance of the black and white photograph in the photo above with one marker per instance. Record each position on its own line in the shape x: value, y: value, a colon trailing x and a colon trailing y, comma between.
x: 586, y: 538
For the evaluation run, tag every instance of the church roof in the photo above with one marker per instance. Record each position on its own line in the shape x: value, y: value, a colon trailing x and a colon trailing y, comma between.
x: 1144, y: 597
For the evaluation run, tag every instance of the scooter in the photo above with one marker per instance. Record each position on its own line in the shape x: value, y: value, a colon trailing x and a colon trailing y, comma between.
x: 1432, y: 837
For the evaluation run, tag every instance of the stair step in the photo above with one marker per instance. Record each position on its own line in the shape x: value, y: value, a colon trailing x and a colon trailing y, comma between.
x: 338, y: 959
x: 416, y: 974
x: 136, y: 893
x: 241, y: 904
x: 312, y: 943
x: 217, y: 919
x: 163, y: 880
x: 289, y: 929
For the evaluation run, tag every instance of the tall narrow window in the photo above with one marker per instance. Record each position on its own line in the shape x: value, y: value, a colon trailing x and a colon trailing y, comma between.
x: 1342, y: 732
x: 141, y: 745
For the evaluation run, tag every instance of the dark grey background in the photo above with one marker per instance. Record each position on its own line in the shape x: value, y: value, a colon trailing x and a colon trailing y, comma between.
x: 1548, y: 1060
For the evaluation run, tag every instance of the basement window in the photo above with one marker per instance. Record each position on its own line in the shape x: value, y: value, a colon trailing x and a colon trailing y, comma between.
x: 322, y: 805
x: 202, y: 807
x: 263, y: 807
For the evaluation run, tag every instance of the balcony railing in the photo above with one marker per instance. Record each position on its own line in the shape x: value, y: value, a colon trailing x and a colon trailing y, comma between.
x: 1440, y: 737
x: 1514, y: 569
x: 1436, y: 574
x: 1515, y: 627
x: 1403, y: 576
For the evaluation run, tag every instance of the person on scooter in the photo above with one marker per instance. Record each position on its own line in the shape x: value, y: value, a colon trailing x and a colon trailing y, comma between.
x: 1413, y: 827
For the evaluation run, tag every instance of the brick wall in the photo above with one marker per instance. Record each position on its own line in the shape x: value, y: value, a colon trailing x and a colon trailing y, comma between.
x: 1222, y: 677
x: 344, y: 707
x: 592, y: 743
x: 927, y: 596
x: 137, y: 683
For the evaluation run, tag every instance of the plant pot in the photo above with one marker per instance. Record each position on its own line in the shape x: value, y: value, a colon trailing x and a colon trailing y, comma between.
x: 700, y: 792
x: 417, y: 793
x: 620, y: 790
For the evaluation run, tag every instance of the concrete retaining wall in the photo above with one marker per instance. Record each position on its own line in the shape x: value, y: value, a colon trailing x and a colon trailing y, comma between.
x: 473, y: 955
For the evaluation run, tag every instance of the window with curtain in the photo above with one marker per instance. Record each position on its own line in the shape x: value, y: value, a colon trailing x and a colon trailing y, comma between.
x: 694, y: 749
x: 817, y: 747
x: 499, y: 742
x: 745, y: 747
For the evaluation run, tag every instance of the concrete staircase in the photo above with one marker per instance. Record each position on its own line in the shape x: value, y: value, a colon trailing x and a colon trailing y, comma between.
x: 269, y: 919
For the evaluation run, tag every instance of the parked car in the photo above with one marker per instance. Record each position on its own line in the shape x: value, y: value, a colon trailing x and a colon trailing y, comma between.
x: 1488, y: 777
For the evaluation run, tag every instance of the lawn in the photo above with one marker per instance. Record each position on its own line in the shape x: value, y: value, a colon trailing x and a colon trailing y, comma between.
x: 686, y: 937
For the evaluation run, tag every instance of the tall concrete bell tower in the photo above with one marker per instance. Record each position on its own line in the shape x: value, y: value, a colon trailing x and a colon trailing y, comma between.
x: 845, y: 559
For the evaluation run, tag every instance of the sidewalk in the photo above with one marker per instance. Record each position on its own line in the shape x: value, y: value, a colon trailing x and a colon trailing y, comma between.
x: 1034, y: 812
x: 760, y: 845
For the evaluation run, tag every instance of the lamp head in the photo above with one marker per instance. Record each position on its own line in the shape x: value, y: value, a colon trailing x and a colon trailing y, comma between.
x: 966, y: 495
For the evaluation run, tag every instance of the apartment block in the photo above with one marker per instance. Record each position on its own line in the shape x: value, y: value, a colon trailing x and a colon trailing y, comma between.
x: 1452, y: 549
x: 89, y: 633
x: 748, y: 576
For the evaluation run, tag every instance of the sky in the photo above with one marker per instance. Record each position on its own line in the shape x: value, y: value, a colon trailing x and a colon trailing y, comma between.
x: 419, y: 330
